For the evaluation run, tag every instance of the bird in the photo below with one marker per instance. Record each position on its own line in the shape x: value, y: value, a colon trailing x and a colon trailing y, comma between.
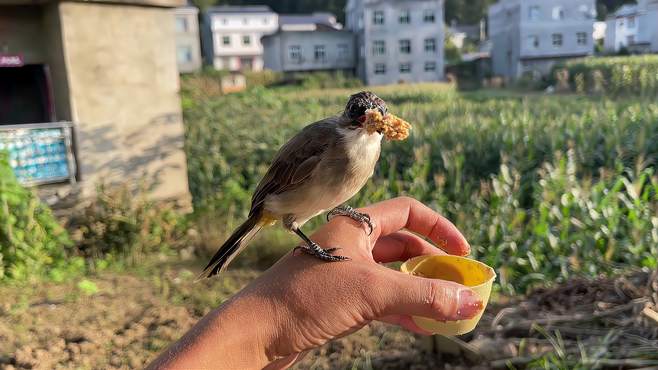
x: 317, y: 170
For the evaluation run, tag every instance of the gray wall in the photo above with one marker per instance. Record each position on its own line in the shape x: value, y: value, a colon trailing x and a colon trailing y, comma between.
x: 510, y: 29
x: 277, y: 56
x: 188, y: 39
x: 360, y: 13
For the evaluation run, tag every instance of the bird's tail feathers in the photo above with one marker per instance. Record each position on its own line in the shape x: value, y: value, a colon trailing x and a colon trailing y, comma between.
x: 232, y: 247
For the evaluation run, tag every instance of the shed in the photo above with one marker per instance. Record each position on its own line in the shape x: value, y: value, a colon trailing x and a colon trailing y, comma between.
x: 89, y: 94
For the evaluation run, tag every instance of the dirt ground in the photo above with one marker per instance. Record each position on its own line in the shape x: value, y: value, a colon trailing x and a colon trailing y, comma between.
x: 128, y: 318
x: 121, y: 320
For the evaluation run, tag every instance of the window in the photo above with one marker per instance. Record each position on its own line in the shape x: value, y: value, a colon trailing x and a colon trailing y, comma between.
x: 405, y: 46
x: 558, y: 13
x: 534, y: 13
x: 226, y: 40
x: 631, y: 22
x: 630, y: 39
x: 430, y: 66
x: 405, y: 67
x: 245, y: 21
x: 557, y: 39
x: 295, y: 53
x: 581, y: 38
x: 533, y: 42
x: 428, y: 16
x: 342, y: 51
x: 224, y: 21
x: 585, y: 12
x: 430, y: 45
x: 378, y: 17
x: 184, y: 54
x: 319, y: 53
x: 181, y: 24
x: 246, y: 40
x: 405, y: 17
x: 378, y: 47
x: 380, y: 68
x: 266, y: 21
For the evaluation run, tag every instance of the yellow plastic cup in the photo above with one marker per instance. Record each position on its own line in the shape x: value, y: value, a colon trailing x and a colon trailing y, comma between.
x: 473, y: 274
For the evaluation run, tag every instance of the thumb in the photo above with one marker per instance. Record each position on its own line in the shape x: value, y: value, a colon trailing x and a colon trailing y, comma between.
x: 432, y: 298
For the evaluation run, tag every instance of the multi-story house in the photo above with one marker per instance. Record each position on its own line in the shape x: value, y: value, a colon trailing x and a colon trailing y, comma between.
x: 306, y: 43
x: 232, y: 36
x: 529, y: 36
x: 633, y: 27
x: 188, y: 49
x: 397, y: 40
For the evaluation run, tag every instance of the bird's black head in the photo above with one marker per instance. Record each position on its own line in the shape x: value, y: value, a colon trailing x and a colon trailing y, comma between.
x: 360, y: 102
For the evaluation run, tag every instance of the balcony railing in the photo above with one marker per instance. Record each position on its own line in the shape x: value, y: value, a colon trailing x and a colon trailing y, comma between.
x: 40, y: 153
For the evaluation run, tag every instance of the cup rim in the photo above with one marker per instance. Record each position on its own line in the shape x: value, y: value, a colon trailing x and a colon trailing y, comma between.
x: 425, y: 258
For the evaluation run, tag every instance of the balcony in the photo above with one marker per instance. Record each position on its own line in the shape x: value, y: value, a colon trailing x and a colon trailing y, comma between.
x: 40, y: 153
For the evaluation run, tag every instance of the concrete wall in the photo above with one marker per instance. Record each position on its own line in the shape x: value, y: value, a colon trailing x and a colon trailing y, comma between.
x: 277, y: 56
x: 511, y: 29
x: 21, y: 31
x: 187, y: 39
x: 123, y: 85
x: 360, y: 20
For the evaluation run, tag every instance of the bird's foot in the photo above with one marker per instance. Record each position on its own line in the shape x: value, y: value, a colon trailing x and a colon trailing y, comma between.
x: 350, y: 212
x: 323, y: 254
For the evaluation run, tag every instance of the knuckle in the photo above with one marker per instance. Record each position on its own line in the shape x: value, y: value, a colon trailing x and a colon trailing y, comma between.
x: 407, y: 199
x: 443, y: 299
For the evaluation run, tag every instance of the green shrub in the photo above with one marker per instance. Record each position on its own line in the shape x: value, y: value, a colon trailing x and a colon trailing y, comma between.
x: 31, y: 241
x: 125, y: 224
x: 327, y: 80
x: 635, y: 75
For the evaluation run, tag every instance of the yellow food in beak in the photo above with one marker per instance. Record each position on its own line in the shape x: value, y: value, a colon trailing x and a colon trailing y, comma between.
x: 393, y: 127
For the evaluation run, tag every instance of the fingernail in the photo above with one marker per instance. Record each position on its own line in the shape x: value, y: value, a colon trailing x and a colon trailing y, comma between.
x: 470, y: 304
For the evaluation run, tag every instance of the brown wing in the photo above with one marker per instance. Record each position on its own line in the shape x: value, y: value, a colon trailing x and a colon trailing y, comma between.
x: 296, y: 160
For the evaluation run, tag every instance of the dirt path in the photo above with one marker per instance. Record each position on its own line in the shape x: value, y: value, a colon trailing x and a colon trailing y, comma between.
x: 132, y: 317
x: 122, y: 320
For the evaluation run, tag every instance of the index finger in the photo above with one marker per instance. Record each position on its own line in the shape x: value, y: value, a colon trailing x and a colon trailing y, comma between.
x: 407, y: 213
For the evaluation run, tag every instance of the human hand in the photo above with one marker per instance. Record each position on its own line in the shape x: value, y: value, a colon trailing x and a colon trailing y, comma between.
x: 301, y: 303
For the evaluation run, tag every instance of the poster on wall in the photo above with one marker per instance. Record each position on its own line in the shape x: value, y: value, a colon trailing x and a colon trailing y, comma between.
x: 38, y: 155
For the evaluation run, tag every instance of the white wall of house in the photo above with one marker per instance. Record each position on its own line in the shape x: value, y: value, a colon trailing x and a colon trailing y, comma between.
x: 398, y: 41
x: 188, y: 49
x: 235, y: 36
x: 634, y: 27
x: 530, y: 35
x: 309, y: 50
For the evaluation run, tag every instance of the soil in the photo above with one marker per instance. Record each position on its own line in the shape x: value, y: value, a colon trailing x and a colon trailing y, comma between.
x: 122, y: 320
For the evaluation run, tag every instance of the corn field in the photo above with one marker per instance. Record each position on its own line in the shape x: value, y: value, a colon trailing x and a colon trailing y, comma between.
x: 636, y: 75
x: 543, y: 187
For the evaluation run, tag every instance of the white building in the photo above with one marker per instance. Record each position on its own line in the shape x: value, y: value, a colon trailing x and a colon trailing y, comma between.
x: 232, y: 36
x: 188, y: 49
x: 397, y: 40
x: 529, y: 36
x: 634, y: 27
x: 306, y: 43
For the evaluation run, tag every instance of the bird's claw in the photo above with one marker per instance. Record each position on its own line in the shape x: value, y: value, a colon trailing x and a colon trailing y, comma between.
x: 353, y: 214
x: 322, y: 254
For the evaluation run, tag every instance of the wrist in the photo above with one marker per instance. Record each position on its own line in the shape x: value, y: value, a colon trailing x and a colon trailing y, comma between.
x: 245, y: 331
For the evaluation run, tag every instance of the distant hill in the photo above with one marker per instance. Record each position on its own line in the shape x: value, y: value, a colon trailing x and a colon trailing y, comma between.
x: 463, y: 11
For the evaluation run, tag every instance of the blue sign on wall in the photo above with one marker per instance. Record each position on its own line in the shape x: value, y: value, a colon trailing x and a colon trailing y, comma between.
x: 38, y: 155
